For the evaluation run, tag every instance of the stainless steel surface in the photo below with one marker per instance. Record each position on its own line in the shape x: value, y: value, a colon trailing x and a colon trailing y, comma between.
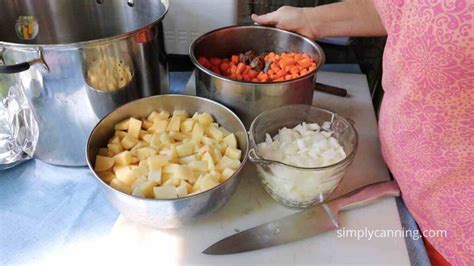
x: 316, y: 220
x: 69, y: 33
x: 329, y: 176
x: 250, y: 99
x: 169, y: 213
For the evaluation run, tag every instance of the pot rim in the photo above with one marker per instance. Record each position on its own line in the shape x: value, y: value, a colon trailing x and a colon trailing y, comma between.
x: 233, y: 176
x: 99, y: 41
x: 210, y: 72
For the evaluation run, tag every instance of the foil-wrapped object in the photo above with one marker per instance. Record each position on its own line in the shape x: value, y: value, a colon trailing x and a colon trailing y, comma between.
x: 18, y: 127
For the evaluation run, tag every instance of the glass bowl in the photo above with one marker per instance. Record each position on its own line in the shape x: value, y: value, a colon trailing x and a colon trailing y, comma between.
x: 293, y: 186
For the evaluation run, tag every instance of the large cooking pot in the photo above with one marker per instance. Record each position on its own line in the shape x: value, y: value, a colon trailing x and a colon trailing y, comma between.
x: 249, y: 99
x: 79, y: 60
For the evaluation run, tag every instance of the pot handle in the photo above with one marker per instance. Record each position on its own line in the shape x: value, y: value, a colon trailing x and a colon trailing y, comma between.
x: 10, y: 69
x: 20, y: 67
x: 331, y: 89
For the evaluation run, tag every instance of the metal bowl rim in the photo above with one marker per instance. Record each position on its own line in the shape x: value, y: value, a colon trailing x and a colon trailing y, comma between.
x: 210, y: 72
x: 346, y: 160
x: 234, y: 175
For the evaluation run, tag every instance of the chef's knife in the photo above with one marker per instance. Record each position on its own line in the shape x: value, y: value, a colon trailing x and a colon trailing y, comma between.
x: 316, y: 220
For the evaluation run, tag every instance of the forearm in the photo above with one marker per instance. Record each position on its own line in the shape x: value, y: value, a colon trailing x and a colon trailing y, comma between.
x: 348, y: 18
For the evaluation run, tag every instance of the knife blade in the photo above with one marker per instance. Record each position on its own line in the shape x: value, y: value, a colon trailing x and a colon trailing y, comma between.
x: 298, y: 226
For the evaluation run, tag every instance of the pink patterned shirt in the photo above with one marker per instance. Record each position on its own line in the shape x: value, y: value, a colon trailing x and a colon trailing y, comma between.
x: 427, y: 116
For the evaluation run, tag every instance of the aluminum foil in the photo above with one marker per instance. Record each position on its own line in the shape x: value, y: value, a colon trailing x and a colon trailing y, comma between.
x: 18, y: 127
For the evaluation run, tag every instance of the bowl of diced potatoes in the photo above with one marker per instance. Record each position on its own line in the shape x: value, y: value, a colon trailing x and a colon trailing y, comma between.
x: 168, y: 160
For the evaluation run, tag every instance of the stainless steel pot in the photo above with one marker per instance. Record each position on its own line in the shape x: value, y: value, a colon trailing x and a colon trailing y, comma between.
x: 65, y: 38
x: 174, y: 212
x: 248, y: 100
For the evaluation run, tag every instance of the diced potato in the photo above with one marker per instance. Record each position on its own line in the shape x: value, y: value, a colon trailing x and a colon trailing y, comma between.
x: 185, y: 149
x: 160, y: 126
x: 165, y: 138
x: 103, y: 152
x: 115, y: 147
x: 134, y: 160
x: 227, y: 173
x: 170, y: 153
x: 123, y: 158
x: 126, y: 175
x: 147, y: 138
x: 187, y: 125
x: 140, y: 144
x: 134, y: 127
x: 106, y: 176
x: 208, y: 141
x: 210, y: 161
x: 138, y: 192
x: 145, y: 188
x: 181, y: 113
x: 184, y: 172
x: 123, y: 125
x: 165, y: 192
x: 188, y: 159
x: 165, y: 177
x: 143, y: 134
x: 201, y: 166
x: 198, y: 132
x: 151, y: 116
x: 182, y: 190
x: 147, y: 124
x: 216, y: 154
x: 215, y: 175
x: 128, y: 142
x: 227, y: 162
x: 207, y: 182
x: 155, y: 141
x: 163, y: 115
x: 155, y: 175
x: 215, y: 125
x: 140, y: 171
x: 233, y: 153
x: 120, y: 186
x: 224, y: 131
x: 174, y: 123
x: 231, y: 141
x: 195, y: 117
x: 144, y: 153
x: 205, y: 119
x: 215, y: 133
x: 103, y: 163
x: 171, y: 168
x: 121, y: 134
x: 115, y: 140
x: 157, y: 162
x: 143, y: 163
x: 222, y: 147
x: 179, y: 136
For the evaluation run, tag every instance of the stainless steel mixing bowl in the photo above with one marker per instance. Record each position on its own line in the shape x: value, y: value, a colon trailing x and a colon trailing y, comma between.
x: 250, y: 99
x: 174, y: 212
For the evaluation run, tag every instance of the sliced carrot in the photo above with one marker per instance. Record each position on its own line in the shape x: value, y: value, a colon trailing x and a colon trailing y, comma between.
x: 235, y: 59
x: 294, y: 70
x: 224, y: 66
x: 275, y: 68
x: 263, y: 77
x: 252, y: 73
x: 239, y: 77
x: 240, y: 68
x: 216, y: 61
x: 280, y: 73
x: 279, y: 79
x: 305, y: 63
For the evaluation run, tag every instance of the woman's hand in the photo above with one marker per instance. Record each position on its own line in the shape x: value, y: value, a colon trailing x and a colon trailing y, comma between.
x: 347, y: 18
x: 291, y: 19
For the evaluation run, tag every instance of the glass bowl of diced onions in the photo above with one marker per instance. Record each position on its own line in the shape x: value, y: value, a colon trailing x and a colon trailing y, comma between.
x: 301, y: 152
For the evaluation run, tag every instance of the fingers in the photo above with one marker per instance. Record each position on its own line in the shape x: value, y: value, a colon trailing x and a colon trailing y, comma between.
x: 266, y: 19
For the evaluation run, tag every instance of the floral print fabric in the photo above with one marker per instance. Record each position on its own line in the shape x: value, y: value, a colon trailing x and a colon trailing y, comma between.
x: 427, y: 116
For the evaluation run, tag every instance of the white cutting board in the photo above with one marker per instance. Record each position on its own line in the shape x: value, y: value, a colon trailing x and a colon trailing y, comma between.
x: 251, y: 206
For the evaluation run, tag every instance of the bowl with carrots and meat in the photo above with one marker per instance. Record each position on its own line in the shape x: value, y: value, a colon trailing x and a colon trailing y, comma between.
x: 251, y: 69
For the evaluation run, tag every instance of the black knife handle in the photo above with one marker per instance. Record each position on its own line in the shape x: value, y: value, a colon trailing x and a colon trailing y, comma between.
x: 331, y: 89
